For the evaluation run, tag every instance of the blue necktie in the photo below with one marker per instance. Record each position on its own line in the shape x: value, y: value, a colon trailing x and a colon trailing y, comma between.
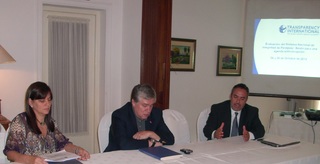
x: 234, y: 130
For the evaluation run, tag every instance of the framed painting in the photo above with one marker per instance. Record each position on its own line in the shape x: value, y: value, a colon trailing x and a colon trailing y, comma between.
x: 229, y: 61
x: 183, y: 54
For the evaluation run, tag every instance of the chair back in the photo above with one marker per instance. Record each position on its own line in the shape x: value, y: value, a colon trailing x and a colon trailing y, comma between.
x: 178, y: 125
x: 3, y: 140
x: 201, y: 122
x: 103, y: 131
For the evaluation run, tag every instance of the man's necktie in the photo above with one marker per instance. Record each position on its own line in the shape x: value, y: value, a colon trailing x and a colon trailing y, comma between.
x: 234, y: 130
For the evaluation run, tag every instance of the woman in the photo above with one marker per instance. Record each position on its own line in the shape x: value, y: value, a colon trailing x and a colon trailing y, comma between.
x: 34, y: 132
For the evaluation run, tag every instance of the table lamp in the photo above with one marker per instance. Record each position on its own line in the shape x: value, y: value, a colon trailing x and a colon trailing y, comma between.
x: 5, y: 57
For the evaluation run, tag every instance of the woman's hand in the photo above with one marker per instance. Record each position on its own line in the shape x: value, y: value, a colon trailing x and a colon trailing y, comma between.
x: 37, y: 160
x: 84, y: 155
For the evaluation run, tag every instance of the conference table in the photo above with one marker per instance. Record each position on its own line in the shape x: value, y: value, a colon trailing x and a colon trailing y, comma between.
x: 223, y: 151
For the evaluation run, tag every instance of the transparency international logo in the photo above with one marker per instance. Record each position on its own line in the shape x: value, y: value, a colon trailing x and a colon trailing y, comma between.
x: 299, y: 29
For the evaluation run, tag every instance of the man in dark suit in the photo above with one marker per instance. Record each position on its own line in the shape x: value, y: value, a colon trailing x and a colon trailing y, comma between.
x: 138, y: 124
x: 221, y: 118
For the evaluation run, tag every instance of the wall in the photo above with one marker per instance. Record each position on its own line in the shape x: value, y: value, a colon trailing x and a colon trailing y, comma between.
x: 18, y: 33
x: 131, y: 47
x: 210, y: 22
x: 21, y: 35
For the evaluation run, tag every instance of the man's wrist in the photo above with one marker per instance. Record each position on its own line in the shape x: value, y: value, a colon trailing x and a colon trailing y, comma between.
x: 153, y: 141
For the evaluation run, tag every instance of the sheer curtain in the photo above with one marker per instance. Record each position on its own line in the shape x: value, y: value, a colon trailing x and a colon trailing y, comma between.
x: 67, y: 73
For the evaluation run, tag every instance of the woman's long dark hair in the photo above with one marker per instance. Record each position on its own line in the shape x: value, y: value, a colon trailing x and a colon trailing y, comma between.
x: 37, y: 90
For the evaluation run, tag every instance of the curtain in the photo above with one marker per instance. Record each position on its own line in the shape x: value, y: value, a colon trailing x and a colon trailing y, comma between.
x: 67, y: 72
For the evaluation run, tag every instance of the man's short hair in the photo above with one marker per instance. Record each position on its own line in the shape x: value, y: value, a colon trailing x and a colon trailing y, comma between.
x: 242, y: 86
x: 144, y: 91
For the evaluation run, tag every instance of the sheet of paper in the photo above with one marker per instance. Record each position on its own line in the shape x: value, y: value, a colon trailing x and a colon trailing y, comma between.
x: 59, y: 156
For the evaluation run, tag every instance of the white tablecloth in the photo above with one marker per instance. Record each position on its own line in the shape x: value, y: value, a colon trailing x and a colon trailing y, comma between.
x: 229, y: 150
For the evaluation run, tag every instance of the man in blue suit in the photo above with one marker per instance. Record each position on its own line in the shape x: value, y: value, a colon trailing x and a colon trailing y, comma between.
x: 138, y: 124
x: 221, y: 118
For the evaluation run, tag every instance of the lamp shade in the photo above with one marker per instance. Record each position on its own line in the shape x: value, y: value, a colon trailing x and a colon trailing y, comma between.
x: 5, y: 57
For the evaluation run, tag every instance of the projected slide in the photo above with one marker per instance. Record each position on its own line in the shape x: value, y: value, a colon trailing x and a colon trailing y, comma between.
x: 287, y: 47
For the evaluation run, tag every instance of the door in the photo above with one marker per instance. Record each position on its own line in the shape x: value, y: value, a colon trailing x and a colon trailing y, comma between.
x: 70, y: 63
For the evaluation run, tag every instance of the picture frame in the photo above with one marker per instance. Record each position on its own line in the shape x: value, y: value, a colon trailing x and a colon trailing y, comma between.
x: 183, y: 54
x: 229, y: 61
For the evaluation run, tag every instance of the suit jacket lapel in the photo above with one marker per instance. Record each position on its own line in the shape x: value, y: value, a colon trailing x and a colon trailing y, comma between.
x: 133, y: 119
x: 242, y: 119
x: 227, y: 124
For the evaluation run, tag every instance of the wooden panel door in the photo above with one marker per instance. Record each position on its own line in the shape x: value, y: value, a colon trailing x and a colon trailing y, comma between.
x: 155, y: 48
